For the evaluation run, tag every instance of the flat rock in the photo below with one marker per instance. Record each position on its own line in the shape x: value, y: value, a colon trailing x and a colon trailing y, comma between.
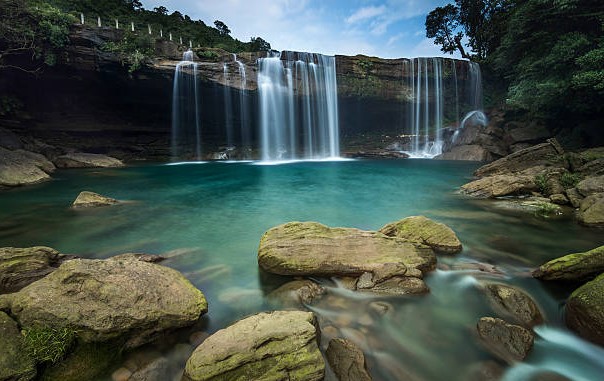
x: 508, y: 342
x: 15, y: 363
x: 397, y: 285
x: 514, y: 304
x: 585, y: 311
x: 21, y: 266
x: 87, y: 160
x: 591, y: 211
x: 573, y: 267
x: 109, y: 299
x: 499, y: 186
x: 280, y: 345
x: 347, y: 360
x: 591, y: 185
x: 21, y: 167
x: 310, y: 248
x: 472, y: 152
x: 422, y: 230
x: 88, y: 199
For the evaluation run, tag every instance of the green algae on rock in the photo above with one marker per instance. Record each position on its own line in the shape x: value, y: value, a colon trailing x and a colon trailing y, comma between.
x: 88, y: 199
x: 514, y: 304
x: 22, y: 266
x: 420, y: 229
x: 573, y: 267
x: 585, y: 311
x: 15, y: 362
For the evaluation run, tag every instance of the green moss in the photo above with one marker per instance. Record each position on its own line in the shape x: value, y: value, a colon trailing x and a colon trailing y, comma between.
x: 542, y: 184
x: 569, y: 180
x: 45, y: 344
x: 86, y: 362
x: 576, y: 266
x: 546, y: 209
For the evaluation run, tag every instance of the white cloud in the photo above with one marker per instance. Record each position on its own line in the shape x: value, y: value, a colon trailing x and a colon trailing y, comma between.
x: 397, y: 37
x: 365, y: 13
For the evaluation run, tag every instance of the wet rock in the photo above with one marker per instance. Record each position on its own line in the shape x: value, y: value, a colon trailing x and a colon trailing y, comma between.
x: 500, y: 185
x: 296, y: 293
x: 514, y: 304
x: 87, y: 361
x: 573, y: 267
x: 143, y: 257
x: 310, y: 248
x: 121, y: 374
x: 109, y: 299
x: 485, y: 371
x: 467, y: 152
x: 23, y: 168
x: 591, y: 185
x: 88, y: 199
x: 87, y: 160
x: 21, y: 266
x: 347, y: 361
x: 157, y: 370
x: 574, y: 197
x: 381, y: 154
x: 198, y: 337
x: 422, y: 230
x: 506, y: 341
x: 585, y: 311
x: 591, y: 211
x: 395, y: 286
x: 15, y: 363
x: 280, y: 345
x: 381, y: 308
x: 559, y: 199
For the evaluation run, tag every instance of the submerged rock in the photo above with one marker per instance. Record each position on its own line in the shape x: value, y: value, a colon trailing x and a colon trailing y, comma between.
x: 347, y: 360
x: 15, y: 362
x: 87, y: 160
x: 508, y: 342
x: 22, y: 266
x: 296, y: 293
x: 23, y: 168
x: 585, y: 311
x: 573, y: 267
x: 513, y: 303
x: 280, y: 345
x: 123, y: 299
x: 420, y: 229
x: 591, y: 210
x: 88, y: 199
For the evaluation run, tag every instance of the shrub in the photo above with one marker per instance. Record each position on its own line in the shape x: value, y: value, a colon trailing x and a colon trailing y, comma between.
x: 569, y: 180
x: 542, y: 184
x: 546, y: 209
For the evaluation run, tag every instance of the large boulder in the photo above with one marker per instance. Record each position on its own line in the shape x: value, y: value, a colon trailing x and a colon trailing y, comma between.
x: 573, y: 267
x: 500, y: 185
x: 21, y: 266
x: 347, y: 360
x: 591, y: 211
x: 470, y: 152
x: 420, y: 229
x: 514, y: 304
x: 15, y: 362
x: 313, y: 249
x: 101, y: 300
x: 87, y: 199
x: 508, y: 342
x: 87, y: 160
x: 21, y: 167
x: 585, y: 311
x: 591, y: 185
x: 280, y: 345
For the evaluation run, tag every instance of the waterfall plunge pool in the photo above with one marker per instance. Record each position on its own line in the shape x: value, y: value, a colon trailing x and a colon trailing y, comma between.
x: 213, y: 215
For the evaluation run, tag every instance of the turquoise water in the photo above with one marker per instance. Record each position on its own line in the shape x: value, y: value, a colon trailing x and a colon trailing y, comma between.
x: 208, y: 218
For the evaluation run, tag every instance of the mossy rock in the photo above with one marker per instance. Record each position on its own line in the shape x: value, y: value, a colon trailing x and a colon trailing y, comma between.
x: 585, y: 311
x: 422, y: 230
x: 591, y: 211
x: 15, y: 362
x: 573, y: 267
x: 86, y: 362
x: 22, y: 266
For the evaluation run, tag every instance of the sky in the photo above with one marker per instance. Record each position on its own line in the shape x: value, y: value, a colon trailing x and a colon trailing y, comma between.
x: 382, y: 28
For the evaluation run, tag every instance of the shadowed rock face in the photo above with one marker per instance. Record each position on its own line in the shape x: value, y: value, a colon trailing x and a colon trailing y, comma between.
x: 15, y: 363
x: 121, y: 298
x: 280, y: 345
x: 585, y: 311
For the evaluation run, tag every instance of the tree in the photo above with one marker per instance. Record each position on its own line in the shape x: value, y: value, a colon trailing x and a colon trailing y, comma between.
x: 161, y: 10
x: 135, y: 4
x: 257, y: 44
x: 442, y: 24
x: 222, y: 28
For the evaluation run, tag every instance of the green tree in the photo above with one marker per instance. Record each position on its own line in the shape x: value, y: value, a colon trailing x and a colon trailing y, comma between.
x: 161, y: 10
x: 222, y: 28
x: 257, y: 44
x: 442, y: 24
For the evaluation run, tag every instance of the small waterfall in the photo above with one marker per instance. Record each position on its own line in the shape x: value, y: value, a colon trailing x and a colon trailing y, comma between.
x: 436, y: 99
x: 186, y: 121
x: 228, y: 107
x: 246, y: 134
x: 298, y: 107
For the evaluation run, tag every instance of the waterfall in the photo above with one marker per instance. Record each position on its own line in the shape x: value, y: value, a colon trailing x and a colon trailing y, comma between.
x: 436, y: 99
x: 228, y: 107
x: 246, y: 135
x: 186, y: 122
x: 298, y: 107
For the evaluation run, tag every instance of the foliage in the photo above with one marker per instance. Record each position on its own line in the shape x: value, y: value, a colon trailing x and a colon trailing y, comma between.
x: 546, y: 209
x: 542, y: 184
x: 569, y: 180
x: 365, y: 66
x: 48, y: 344
x: 9, y: 105
x: 442, y: 24
x: 257, y: 44
x: 134, y: 50
x: 222, y: 28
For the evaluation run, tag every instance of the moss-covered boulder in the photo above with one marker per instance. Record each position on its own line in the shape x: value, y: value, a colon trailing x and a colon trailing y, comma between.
x: 15, y: 362
x: 88, y: 199
x: 102, y: 300
x: 22, y: 266
x: 313, y: 249
x: 591, y: 210
x: 280, y: 345
x: 508, y: 342
x: 514, y: 304
x: 585, y: 311
x: 573, y: 267
x: 420, y: 229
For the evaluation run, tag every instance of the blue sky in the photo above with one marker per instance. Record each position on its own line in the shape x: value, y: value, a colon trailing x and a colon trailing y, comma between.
x: 383, y: 28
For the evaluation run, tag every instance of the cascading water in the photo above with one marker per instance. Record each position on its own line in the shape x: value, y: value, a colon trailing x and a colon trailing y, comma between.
x: 298, y: 107
x: 436, y: 98
x: 246, y: 136
x: 228, y: 107
x: 186, y: 118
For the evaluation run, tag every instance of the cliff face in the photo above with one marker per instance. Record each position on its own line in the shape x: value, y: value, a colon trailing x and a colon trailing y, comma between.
x: 89, y: 101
